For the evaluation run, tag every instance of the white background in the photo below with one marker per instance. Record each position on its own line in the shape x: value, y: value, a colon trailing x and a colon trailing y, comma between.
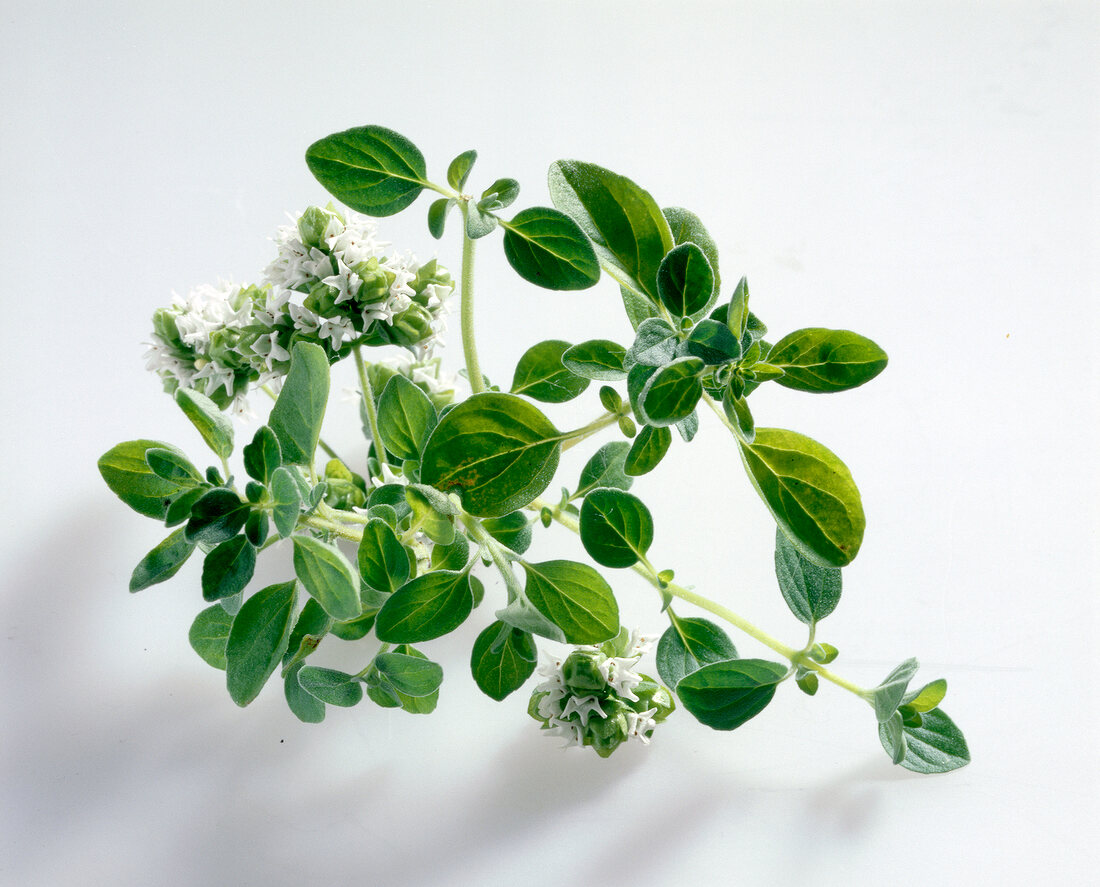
x: 923, y: 173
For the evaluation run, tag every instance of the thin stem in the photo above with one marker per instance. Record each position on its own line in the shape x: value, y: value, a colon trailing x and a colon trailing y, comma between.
x: 469, y: 346
x: 575, y: 437
x: 368, y: 405
x: 328, y: 526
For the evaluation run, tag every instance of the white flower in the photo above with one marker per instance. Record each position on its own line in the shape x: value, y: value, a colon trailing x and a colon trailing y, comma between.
x: 337, y: 329
x: 305, y: 321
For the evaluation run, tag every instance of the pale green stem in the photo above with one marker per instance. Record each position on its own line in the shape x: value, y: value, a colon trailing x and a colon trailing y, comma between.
x: 337, y: 529
x: 368, y: 405
x: 469, y: 346
x: 575, y: 437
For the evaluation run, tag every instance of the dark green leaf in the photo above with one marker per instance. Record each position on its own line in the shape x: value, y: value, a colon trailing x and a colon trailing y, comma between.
x: 648, y: 449
x: 616, y: 528
x: 685, y: 280
x: 599, y: 359
x: 410, y: 674
x: 453, y: 556
x: 287, y: 501
x: 129, y: 476
x: 459, y: 170
x: 540, y: 374
x: 810, y: 590
x: 328, y: 577
x: 179, y: 509
x: 686, y: 227
x: 228, y: 568
x: 437, y: 215
x: 211, y: 422
x: 296, y: 416
x: 606, y: 468
x: 258, y: 639
x: 312, y: 624
x: 502, y: 660
x: 575, y: 598
x: 723, y: 695
x: 636, y: 380
x: 549, y: 249
x: 426, y: 607
x: 936, y: 746
x: 406, y: 417
x: 826, y: 360
x: 354, y: 629
x: 256, y: 528
x: 218, y: 515
x: 497, y: 449
x: 209, y: 634
x: 713, y: 343
x: 371, y: 169
x: 306, y: 707
x: 622, y: 220
x: 639, y: 308
x: 263, y: 455
x: 173, y: 467
x: 513, y: 530
x: 330, y: 686
x: 383, y: 561
x: 810, y: 493
x: 689, y: 644
x: 672, y: 392
x: 163, y: 562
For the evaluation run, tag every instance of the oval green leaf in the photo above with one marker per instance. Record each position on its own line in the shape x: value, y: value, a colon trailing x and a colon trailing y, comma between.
x: 540, y: 374
x: 217, y: 516
x: 810, y: 590
x: 228, y: 568
x: 575, y: 598
x: 383, y: 560
x: 823, y: 360
x: 263, y: 455
x: 211, y: 422
x: 125, y: 471
x: 647, y: 450
x: 686, y: 227
x: 616, y: 527
x: 411, y: 674
x: 606, y: 468
x: 672, y: 392
x: 330, y: 686
x: 328, y: 577
x: 549, y: 249
x: 936, y: 746
x: 257, y: 640
x: 427, y: 607
x: 685, y: 280
x: 502, y: 660
x: 297, y: 414
x: 599, y: 359
x: 689, y: 644
x: 406, y: 416
x: 723, y: 695
x: 163, y: 562
x: 209, y: 634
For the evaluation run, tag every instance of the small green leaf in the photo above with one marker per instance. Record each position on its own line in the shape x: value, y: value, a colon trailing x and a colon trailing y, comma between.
x: 163, y: 562
x: 689, y: 644
x: 453, y: 556
x: 179, y: 508
x: 383, y: 560
x: 736, y: 316
x: 654, y: 344
x: 647, y: 451
x: 435, y: 522
x: 739, y: 415
x: 936, y: 746
x: 502, y: 660
x: 712, y: 343
x: 371, y: 169
x: 823, y: 360
x: 685, y: 280
x: 810, y: 590
x: 263, y: 455
x: 257, y: 640
x: 540, y: 374
x: 330, y: 686
x: 810, y: 493
x: 616, y: 528
x: 512, y: 530
x: 328, y: 577
x: 209, y: 634
x: 892, y: 736
x: 499, y: 195
x: 228, y: 568
x: 928, y: 697
x: 297, y: 414
x: 211, y: 422
x: 129, y: 477
x: 888, y: 695
x: 672, y: 392
x: 412, y: 675
x: 575, y: 598
x: 287, y: 501
x: 173, y: 467
x: 606, y: 468
x: 406, y: 416
x: 306, y: 708
x: 497, y: 449
x: 479, y: 222
x: 426, y: 607
x: 256, y: 528
x: 310, y: 628
x: 437, y: 215
x: 549, y: 249
x: 459, y: 170
x: 808, y: 683
x: 686, y: 227
x: 636, y: 380
x: 611, y: 400
x: 723, y: 695
x: 599, y: 359
x: 218, y: 515
x: 688, y: 427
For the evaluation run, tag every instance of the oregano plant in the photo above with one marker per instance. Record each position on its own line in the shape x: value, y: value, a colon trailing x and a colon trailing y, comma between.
x: 391, y: 548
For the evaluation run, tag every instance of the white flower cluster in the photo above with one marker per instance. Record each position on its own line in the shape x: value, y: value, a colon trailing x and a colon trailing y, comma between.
x: 332, y: 283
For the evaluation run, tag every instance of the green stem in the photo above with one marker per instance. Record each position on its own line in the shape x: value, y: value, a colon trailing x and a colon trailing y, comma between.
x: 329, y: 526
x: 368, y: 405
x: 469, y: 346
x: 572, y: 438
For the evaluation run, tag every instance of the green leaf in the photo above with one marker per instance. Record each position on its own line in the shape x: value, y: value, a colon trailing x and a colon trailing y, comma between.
x: 688, y: 427
x: 306, y: 707
x: 179, y: 508
x: 928, y: 697
x: 808, y: 683
x: 434, y: 513
x: 459, y: 170
x: 163, y: 562
x: 479, y: 222
x: 723, y: 695
x: 412, y: 675
x: 426, y: 607
x: 499, y: 195
x: 810, y: 493
x: 287, y: 501
x: 502, y: 660
x: 575, y: 598
x: 125, y: 471
x: 513, y: 530
x: 209, y: 634
x: 622, y: 220
x: 256, y: 528
x: 383, y: 561
x: 639, y: 308
x: 310, y: 628
x: 740, y: 416
x: 228, y: 568
x: 713, y: 343
x: 296, y: 416
x: 218, y: 515
x: 173, y: 467
x: 654, y: 344
x: 540, y: 374
x: 936, y: 746
x: 406, y: 416
x: 737, y: 314
x: 549, y: 249
x: 888, y: 695
x: 328, y: 577
x: 453, y: 556
x: 263, y: 455
x: 211, y: 422
x: 371, y: 169
x: 616, y: 528
x: 437, y: 215
x: 810, y: 590
x: 648, y: 450
x: 823, y: 360
x: 497, y: 449
x: 689, y: 644
x: 258, y: 639
x: 891, y: 733
x: 686, y: 227
x: 330, y: 686
x: 599, y: 359
x: 672, y: 392
x: 606, y: 468
x: 685, y: 280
